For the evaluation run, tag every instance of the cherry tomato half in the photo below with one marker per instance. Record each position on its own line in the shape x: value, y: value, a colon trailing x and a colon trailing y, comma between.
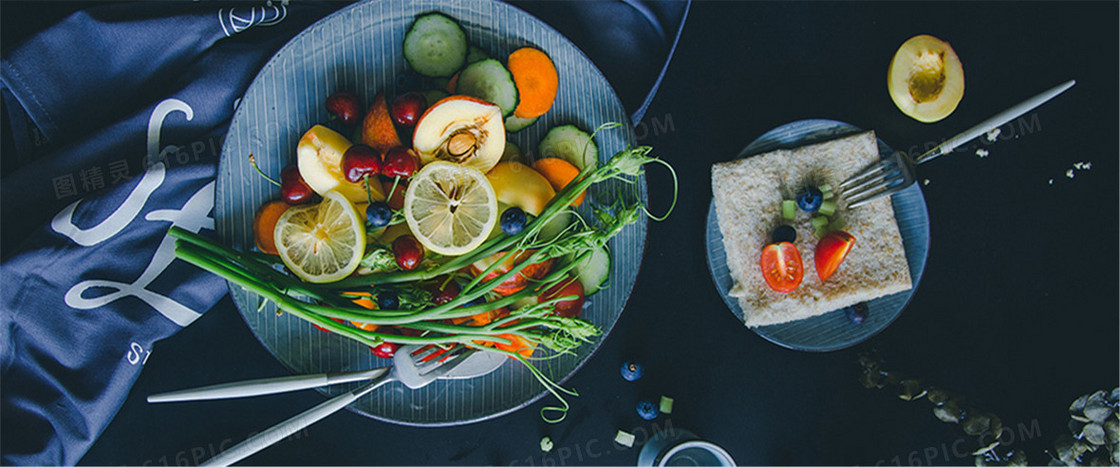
x: 831, y: 250
x: 781, y: 266
x: 566, y: 308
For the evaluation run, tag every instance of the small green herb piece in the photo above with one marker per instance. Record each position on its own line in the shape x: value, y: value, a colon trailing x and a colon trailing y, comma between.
x: 546, y: 444
x: 825, y: 188
x: 828, y: 208
x: 666, y: 406
x: 624, y: 438
x: 818, y: 222
x: 789, y: 209
x: 837, y: 223
x: 379, y: 259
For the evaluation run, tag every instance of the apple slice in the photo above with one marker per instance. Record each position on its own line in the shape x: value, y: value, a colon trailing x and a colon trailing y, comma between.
x: 463, y: 130
x: 319, y: 155
x: 378, y: 131
x: 517, y: 184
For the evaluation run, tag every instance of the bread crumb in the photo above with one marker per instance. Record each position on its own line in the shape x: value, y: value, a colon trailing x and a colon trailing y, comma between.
x: 993, y: 134
x: 982, y: 152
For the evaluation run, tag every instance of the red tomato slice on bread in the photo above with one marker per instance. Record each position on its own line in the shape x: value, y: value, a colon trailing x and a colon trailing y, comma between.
x: 831, y: 250
x: 781, y: 266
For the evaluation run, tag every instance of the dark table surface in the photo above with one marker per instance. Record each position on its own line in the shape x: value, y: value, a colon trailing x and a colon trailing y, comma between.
x: 1017, y: 310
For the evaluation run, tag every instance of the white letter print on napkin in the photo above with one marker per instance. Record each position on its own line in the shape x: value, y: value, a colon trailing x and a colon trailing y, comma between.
x: 194, y: 216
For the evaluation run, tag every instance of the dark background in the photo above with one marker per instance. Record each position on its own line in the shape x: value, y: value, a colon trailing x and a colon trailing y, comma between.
x: 1017, y: 309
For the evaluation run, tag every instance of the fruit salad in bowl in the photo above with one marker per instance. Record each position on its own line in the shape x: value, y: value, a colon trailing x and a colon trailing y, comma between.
x: 462, y: 209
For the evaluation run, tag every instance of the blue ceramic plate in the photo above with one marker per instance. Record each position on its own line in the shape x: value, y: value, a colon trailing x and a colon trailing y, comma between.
x: 359, y: 49
x: 832, y: 330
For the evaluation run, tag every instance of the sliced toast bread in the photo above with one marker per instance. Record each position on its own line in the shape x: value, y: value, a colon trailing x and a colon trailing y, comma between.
x: 748, y: 196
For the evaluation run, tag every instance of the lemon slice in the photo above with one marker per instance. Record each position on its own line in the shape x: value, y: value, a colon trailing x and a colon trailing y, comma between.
x: 450, y: 208
x: 322, y: 242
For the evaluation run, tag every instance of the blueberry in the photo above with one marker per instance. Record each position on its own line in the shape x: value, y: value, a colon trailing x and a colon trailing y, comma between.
x: 387, y: 301
x: 378, y: 214
x: 784, y: 233
x: 632, y: 371
x: 856, y: 313
x: 647, y: 410
x: 809, y: 199
x: 513, y: 221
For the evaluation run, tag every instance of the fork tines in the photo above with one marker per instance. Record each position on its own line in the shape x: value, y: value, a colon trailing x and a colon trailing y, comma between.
x: 433, y: 355
x: 884, y: 178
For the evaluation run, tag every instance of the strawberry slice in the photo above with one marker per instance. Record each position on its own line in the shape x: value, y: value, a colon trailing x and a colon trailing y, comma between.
x: 831, y: 250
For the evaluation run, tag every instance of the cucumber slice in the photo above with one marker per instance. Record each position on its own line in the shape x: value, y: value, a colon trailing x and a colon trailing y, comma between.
x: 515, y: 123
x: 475, y: 54
x: 490, y: 81
x: 789, y: 209
x: 553, y: 228
x: 595, y: 271
x: 434, y: 95
x: 513, y: 154
x: 435, y: 45
x: 571, y: 144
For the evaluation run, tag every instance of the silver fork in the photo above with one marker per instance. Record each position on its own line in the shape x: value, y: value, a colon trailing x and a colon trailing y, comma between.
x: 410, y: 366
x: 896, y: 172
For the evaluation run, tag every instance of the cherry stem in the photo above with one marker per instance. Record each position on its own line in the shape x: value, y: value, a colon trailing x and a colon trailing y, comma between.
x: 396, y: 180
x: 253, y: 162
x: 369, y: 197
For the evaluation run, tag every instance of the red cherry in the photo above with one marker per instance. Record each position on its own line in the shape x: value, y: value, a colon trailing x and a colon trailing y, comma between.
x: 400, y: 162
x: 407, y: 108
x: 292, y: 187
x: 441, y: 292
x: 344, y: 106
x: 566, y: 308
x: 385, y: 349
x: 408, y: 252
x: 360, y: 160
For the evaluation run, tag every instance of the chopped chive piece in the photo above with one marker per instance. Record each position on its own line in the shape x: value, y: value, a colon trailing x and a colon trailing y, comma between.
x: 546, y: 444
x: 837, y: 224
x: 820, y: 231
x: 825, y: 194
x: 666, y: 405
x: 624, y: 438
x: 789, y: 209
x: 825, y: 187
x: 818, y: 222
x: 828, y: 208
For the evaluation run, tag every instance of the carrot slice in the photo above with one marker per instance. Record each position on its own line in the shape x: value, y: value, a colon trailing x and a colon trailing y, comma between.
x: 452, y: 83
x: 264, y: 224
x: 559, y: 174
x: 536, y: 79
x: 518, y: 345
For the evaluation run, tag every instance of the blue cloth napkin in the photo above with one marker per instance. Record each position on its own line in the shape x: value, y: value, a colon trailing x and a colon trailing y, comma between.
x: 117, y: 114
